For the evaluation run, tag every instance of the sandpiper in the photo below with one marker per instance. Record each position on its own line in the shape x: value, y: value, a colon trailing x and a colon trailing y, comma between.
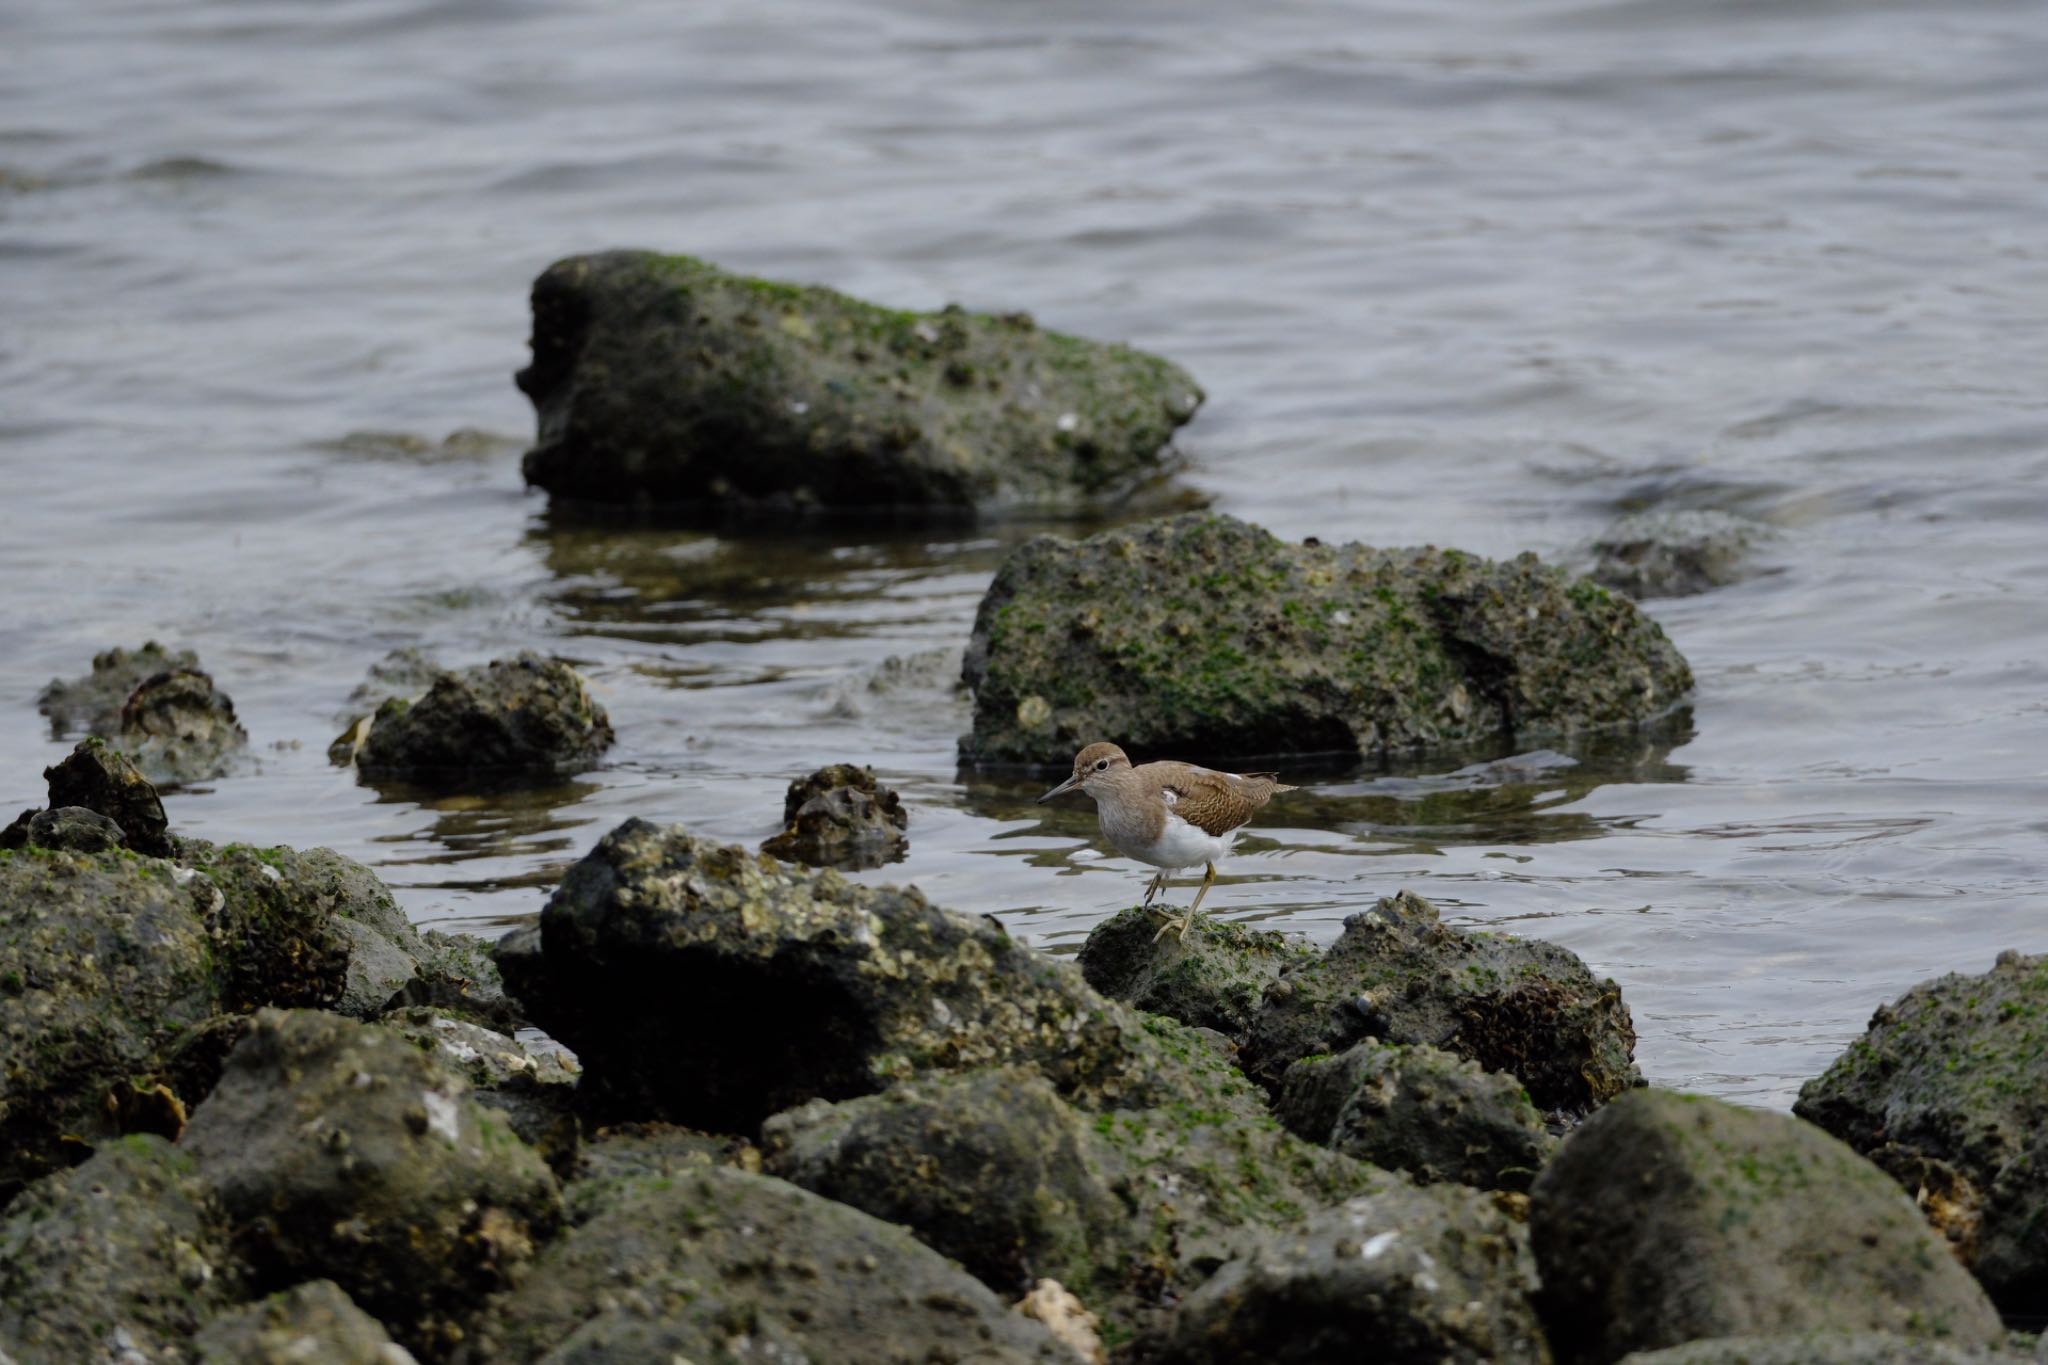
x: 1171, y: 815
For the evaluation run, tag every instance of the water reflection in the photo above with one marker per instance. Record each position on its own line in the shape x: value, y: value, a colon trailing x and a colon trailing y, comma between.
x: 504, y: 837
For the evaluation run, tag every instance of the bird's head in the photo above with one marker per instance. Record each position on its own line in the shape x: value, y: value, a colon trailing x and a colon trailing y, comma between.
x: 1092, y: 767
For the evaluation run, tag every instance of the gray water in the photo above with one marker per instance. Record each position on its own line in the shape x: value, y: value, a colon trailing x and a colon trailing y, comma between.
x: 1469, y: 272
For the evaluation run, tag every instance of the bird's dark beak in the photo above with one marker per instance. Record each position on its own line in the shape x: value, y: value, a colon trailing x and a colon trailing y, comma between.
x: 1065, y: 786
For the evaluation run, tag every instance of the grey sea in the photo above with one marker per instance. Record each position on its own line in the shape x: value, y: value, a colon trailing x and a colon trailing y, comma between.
x: 1468, y: 273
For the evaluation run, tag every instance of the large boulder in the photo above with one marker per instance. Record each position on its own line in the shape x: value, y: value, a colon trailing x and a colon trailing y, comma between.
x: 179, y: 728
x: 97, y: 777
x: 840, y: 816
x: 92, y: 703
x: 1420, y: 1110
x: 1201, y: 634
x: 1666, y: 1218
x: 519, y: 718
x: 1213, y: 979
x: 664, y: 380
x: 1404, y: 1276
x: 717, y: 1264
x: 707, y: 985
x: 1399, y: 974
x: 105, y: 961
x: 314, y: 1323
x: 1948, y: 1091
x: 118, y: 1260
x: 342, y: 1150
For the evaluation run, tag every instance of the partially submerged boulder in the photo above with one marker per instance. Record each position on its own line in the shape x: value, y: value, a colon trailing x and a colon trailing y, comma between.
x: 518, y: 718
x: 664, y: 380
x: 179, y: 728
x: 813, y: 987
x: 117, y: 1260
x: 1734, y: 1222
x: 1419, y: 1110
x: 92, y: 703
x: 1673, y: 553
x: 1212, y: 979
x: 1399, y: 974
x: 717, y: 1264
x: 314, y: 1323
x: 1948, y: 1092
x: 96, y: 776
x: 1406, y: 1276
x: 840, y: 816
x: 1201, y: 634
x: 343, y: 1150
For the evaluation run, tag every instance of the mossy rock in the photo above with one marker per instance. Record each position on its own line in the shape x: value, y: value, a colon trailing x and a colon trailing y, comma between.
x: 117, y: 1260
x: 92, y: 703
x: 314, y: 1323
x: 1211, y: 979
x: 1948, y: 1091
x: 510, y: 719
x: 292, y: 921
x: 98, y: 777
x: 1399, y: 974
x: 662, y: 380
x: 342, y: 1150
x: 1203, y: 635
x: 1665, y: 1218
x: 180, y: 729
x: 840, y: 816
x: 716, y: 1264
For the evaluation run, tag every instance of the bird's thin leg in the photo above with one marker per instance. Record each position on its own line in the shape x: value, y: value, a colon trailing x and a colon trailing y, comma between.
x: 1188, y: 920
x: 1154, y: 887
x: 1169, y: 921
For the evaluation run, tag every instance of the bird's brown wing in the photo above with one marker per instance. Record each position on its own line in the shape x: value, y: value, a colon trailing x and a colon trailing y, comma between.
x: 1213, y: 802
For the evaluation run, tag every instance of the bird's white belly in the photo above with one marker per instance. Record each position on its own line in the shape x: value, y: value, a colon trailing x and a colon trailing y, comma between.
x: 1179, y: 844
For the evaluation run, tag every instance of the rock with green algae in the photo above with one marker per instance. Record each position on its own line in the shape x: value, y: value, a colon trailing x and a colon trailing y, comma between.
x: 100, y: 778
x: 1405, y: 1276
x: 1213, y: 978
x: 1399, y: 974
x: 1948, y: 1091
x: 106, y: 960
x: 92, y: 703
x: 73, y: 829
x: 1202, y: 635
x: 1417, y: 1109
x: 615, y: 1164
x: 180, y: 729
x: 1734, y: 1222
x: 520, y: 718
x: 715, y: 1264
x: 314, y: 1323
x: 706, y: 985
x: 1827, y: 1348
x: 663, y: 380
x: 1126, y: 1210
x: 342, y: 1150
x: 840, y: 816
x: 119, y: 1259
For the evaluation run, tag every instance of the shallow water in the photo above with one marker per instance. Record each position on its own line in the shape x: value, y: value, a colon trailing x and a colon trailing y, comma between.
x: 1474, y: 274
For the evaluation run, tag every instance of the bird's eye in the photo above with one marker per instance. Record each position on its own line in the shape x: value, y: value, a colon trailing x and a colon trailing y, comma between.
x: 1100, y: 764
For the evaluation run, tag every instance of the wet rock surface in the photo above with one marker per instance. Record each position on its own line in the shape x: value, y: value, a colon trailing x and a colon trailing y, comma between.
x: 524, y: 717
x: 1202, y: 634
x: 118, y: 1260
x: 74, y: 829
x: 1210, y: 979
x: 179, y: 728
x: 840, y: 816
x: 718, y: 1264
x: 105, y: 960
x: 533, y: 1088
x: 1419, y: 1110
x: 341, y: 1149
x: 1948, y: 1092
x: 1736, y: 1222
x: 1673, y: 553
x: 816, y: 987
x: 663, y: 380
x: 1825, y: 1348
x: 314, y: 1323
x: 1402, y: 1275
x: 92, y: 703
x: 1399, y: 974
x: 97, y: 777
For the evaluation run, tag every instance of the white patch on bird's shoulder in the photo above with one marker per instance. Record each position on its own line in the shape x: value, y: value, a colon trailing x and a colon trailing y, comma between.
x: 1169, y: 796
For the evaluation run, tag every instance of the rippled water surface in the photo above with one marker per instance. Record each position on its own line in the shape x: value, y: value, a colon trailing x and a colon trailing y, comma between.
x: 1466, y: 272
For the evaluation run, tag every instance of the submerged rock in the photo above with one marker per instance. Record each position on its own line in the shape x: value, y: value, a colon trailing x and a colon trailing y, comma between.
x: 314, y: 1323
x: 717, y: 1264
x: 98, y: 777
x: 105, y: 960
x: 525, y: 717
x: 1201, y: 634
x: 343, y: 1150
x: 1673, y: 553
x: 840, y: 816
x: 118, y: 1260
x: 179, y: 729
x: 711, y: 986
x: 1213, y: 979
x: 663, y: 380
x: 1735, y: 1222
x: 1405, y: 1276
x: 1948, y: 1092
x: 1418, y: 1110
x: 1399, y: 974
x: 93, y: 703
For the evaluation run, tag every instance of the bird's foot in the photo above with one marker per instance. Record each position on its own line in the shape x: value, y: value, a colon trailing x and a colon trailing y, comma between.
x: 1172, y: 923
